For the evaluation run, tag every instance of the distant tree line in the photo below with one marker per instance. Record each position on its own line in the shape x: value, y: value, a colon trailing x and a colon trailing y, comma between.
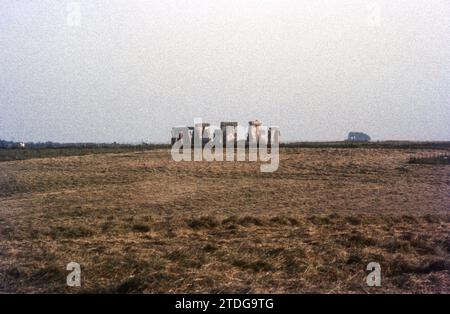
x: 11, y: 145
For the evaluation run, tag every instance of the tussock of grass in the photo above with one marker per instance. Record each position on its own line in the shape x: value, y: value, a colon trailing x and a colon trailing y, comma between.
x: 431, y: 218
x: 203, y: 222
x: 70, y: 232
x: 130, y: 285
x: 209, y: 248
x: 353, y: 220
x: 354, y: 259
x: 402, y: 266
x: 13, y: 272
x: 138, y: 227
x: 283, y: 220
x: 186, y: 258
x: 48, y: 275
x: 255, y: 266
x: 356, y: 238
x: 396, y: 245
x: 446, y: 244
x: 319, y: 220
x: 293, y: 265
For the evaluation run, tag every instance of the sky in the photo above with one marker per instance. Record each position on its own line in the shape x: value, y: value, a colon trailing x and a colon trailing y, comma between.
x: 128, y: 71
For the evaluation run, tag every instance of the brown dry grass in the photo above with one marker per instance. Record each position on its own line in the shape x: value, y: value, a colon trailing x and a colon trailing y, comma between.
x: 139, y: 222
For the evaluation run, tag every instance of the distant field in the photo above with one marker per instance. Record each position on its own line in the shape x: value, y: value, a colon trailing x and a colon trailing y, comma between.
x: 28, y: 153
x: 381, y: 144
x: 23, y: 154
x: 137, y: 221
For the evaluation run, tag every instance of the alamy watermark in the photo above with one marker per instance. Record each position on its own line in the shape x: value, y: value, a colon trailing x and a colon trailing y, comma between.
x: 374, y: 277
x: 73, y: 18
x: 209, y: 142
x: 74, y: 277
x: 373, y: 17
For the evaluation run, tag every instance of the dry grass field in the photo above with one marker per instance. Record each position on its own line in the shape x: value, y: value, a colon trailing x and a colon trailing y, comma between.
x: 140, y: 222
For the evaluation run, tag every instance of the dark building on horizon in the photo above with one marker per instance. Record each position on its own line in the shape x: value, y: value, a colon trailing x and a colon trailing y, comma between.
x: 358, y: 137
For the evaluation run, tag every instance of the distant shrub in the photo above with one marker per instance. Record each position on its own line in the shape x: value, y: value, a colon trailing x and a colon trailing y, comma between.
x: 70, y: 232
x: 203, y: 222
x: 432, y: 159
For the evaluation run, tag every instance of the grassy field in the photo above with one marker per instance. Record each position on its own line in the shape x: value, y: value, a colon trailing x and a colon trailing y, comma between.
x: 140, y: 222
x: 90, y: 149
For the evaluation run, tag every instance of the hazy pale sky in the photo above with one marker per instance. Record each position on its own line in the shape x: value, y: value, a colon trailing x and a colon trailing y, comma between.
x: 128, y: 71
